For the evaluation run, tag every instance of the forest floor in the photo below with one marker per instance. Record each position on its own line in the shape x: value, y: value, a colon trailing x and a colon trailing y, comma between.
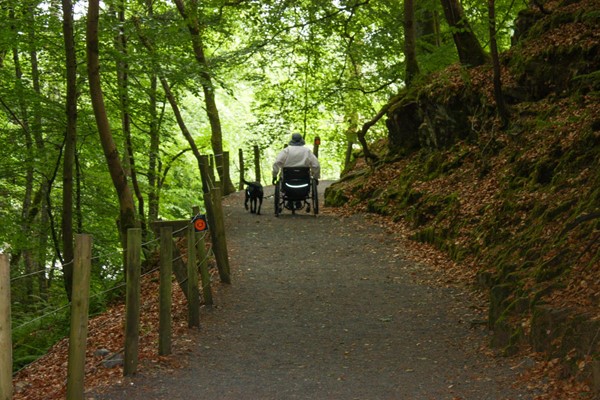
x: 328, y: 307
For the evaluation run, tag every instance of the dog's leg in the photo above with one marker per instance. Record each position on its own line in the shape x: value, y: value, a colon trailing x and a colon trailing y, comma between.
x: 260, y: 200
x: 246, y: 200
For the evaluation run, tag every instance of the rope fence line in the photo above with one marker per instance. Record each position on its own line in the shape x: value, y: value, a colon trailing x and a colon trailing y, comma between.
x: 198, y: 253
x: 98, y: 294
x: 43, y: 316
x: 119, y: 286
x: 95, y: 258
x: 206, y: 258
x: 198, y: 240
x: 16, y: 278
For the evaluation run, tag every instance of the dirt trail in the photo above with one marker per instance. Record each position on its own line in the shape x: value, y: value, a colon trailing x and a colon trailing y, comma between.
x: 328, y: 308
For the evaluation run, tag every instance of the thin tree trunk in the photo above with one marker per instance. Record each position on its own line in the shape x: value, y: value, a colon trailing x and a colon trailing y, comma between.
x: 351, y: 134
x: 23, y: 117
x: 117, y: 174
x: 367, y: 125
x: 153, y: 156
x: 470, y: 52
x: 182, y: 126
x: 123, y: 82
x: 165, y: 171
x: 500, y: 103
x: 70, y: 143
x: 410, y: 42
x: 174, y: 106
x: 41, y: 231
x: 208, y: 88
x: 362, y: 133
x: 427, y: 27
x: 78, y: 209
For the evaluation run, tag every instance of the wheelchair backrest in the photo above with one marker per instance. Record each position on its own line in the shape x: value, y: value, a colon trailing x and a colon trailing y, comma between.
x: 296, y: 182
x: 296, y: 174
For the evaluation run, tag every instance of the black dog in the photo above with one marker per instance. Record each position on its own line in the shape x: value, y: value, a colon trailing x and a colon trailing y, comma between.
x: 254, y: 194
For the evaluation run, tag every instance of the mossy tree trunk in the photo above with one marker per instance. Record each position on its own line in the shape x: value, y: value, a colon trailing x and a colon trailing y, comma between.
x: 410, y: 42
x: 70, y: 141
x: 470, y: 52
x: 499, y: 96
x: 117, y: 174
x: 427, y: 27
x: 190, y: 16
x: 123, y: 90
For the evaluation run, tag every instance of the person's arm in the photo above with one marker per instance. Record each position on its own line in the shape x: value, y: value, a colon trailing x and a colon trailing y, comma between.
x: 279, y: 163
x: 314, y: 165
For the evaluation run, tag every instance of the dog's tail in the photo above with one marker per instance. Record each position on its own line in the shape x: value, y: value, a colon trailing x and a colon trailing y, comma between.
x: 250, y: 183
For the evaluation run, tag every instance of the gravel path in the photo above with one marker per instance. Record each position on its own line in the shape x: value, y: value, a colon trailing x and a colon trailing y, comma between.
x: 328, y: 308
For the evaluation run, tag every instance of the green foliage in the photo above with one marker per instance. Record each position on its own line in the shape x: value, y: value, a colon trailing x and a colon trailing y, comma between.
x: 35, y: 331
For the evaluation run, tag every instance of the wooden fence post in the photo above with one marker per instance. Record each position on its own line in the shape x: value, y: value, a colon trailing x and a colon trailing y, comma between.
x: 212, y: 165
x: 242, y: 167
x: 132, y: 301
x: 227, y: 184
x: 257, y: 163
x: 316, y: 145
x: 220, y: 242
x: 192, y: 282
x: 166, y: 290
x: 214, y: 227
x: 6, y: 385
x: 203, y: 258
x: 80, y: 301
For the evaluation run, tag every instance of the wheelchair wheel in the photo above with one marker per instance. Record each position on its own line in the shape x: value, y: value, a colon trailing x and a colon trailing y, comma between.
x: 315, y: 197
x: 276, y: 200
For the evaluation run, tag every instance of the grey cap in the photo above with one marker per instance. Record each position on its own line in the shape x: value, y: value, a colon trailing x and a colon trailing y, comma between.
x: 297, y: 140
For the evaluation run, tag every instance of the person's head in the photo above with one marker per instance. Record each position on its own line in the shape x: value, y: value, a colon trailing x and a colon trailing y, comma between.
x: 297, y: 140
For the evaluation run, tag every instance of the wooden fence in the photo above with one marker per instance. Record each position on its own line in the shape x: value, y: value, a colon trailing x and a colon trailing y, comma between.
x: 197, y: 261
x: 5, y: 331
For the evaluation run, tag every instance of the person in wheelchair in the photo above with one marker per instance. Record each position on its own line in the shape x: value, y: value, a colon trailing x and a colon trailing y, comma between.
x: 294, y: 158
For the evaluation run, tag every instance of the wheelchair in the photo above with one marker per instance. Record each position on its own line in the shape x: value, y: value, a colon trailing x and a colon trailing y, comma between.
x: 296, y: 190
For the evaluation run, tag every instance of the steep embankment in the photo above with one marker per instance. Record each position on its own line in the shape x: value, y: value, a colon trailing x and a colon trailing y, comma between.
x: 519, y: 208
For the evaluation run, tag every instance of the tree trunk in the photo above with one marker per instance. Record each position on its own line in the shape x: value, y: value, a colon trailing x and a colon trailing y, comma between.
x: 182, y: 126
x: 367, y: 125
x: 427, y: 27
x: 212, y: 111
x: 123, y: 83
x: 70, y: 142
x: 40, y: 231
x: 23, y: 119
x: 78, y: 209
x: 154, y: 155
x: 351, y: 134
x: 470, y: 52
x: 127, y: 209
x: 410, y: 42
x: 500, y: 103
x: 174, y: 106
